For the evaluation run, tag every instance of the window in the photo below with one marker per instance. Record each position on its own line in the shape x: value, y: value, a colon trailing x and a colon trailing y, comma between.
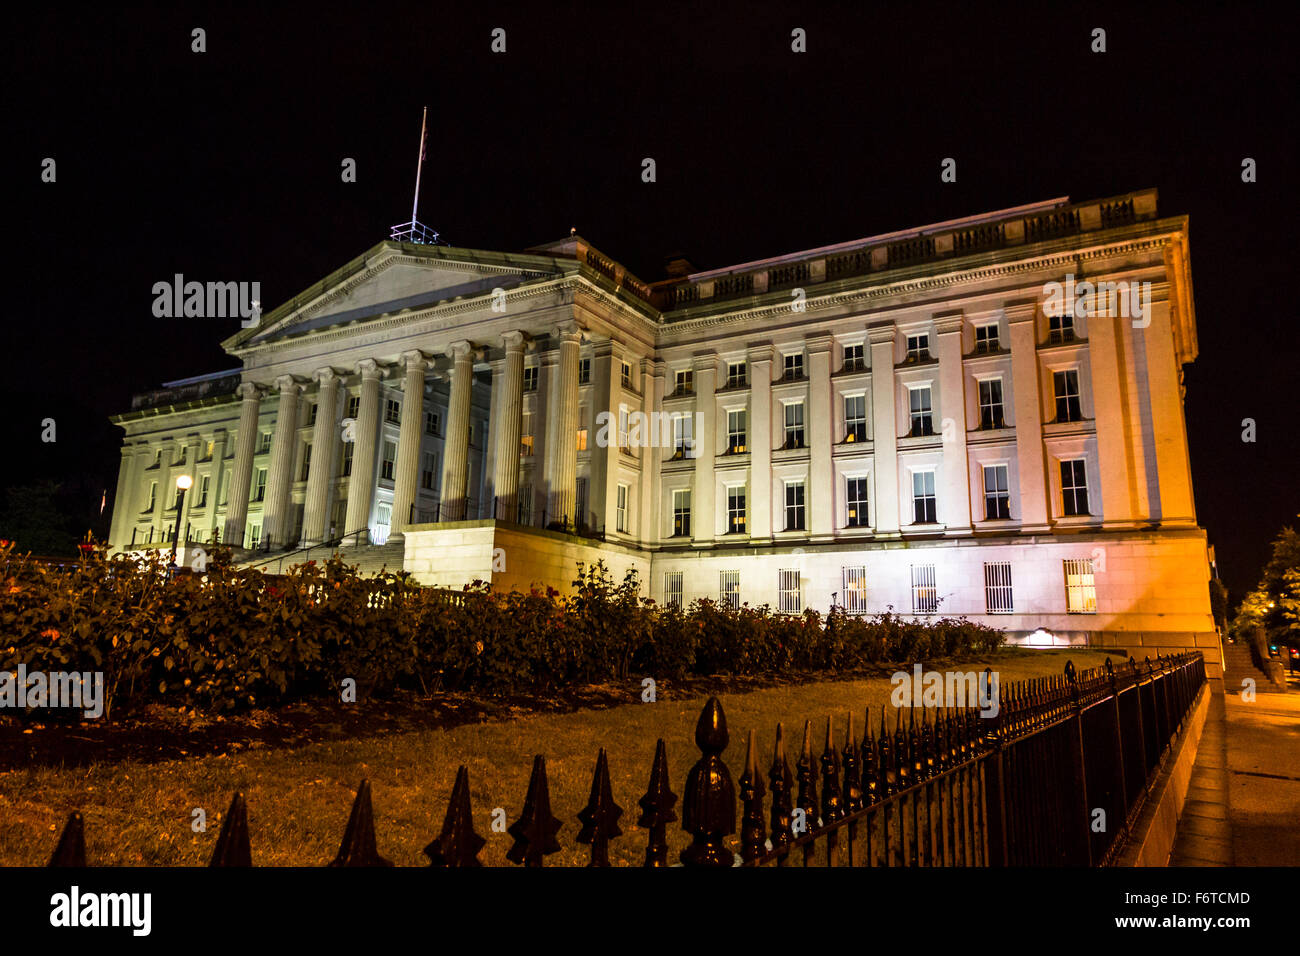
x: 153, y: 495
x: 211, y: 446
x: 682, y: 513
x: 1074, y: 487
x: 622, y: 426
x: 1066, y: 386
x: 157, y: 459
x: 673, y: 588
x: 259, y: 485
x: 264, y: 443
x: 428, y: 466
x: 390, y: 460
x: 997, y: 587
x: 925, y: 596
x: 918, y: 348
x: 997, y: 499
x: 794, y: 506
x: 794, y: 425
x: 627, y: 375
x: 683, y: 443
x: 225, y: 489
x: 991, y: 415
x: 1060, y: 329
x: 526, y: 435
x: 203, y: 490
x: 580, y: 501
x: 306, y: 462
x: 311, y: 417
x: 469, y: 434
x: 1080, y: 586
x: 582, y: 439
x: 525, y: 503
x: 789, y: 599
x: 348, y: 448
x: 736, y: 431
x: 254, y: 533
x: 584, y: 371
x: 530, y: 378
x: 856, y: 497
x: 923, y: 501
x: 922, y: 411
x: 736, y: 375
x: 431, y: 423
x: 383, y: 521
x: 684, y: 382
x: 393, y: 411
x: 855, y: 418
x: 620, y: 512
x: 793, y: 367
x: 854, y: 589
x: 736, y: 510
x: 853, y: 358
x: 729, y: 588
x: 986, y: 338
x: 354, y: 406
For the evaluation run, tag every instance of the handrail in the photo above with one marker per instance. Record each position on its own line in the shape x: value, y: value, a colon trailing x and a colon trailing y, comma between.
x: 331, y: 543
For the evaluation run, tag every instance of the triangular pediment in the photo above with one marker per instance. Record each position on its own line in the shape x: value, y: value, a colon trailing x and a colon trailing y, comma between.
x: 394, y: 277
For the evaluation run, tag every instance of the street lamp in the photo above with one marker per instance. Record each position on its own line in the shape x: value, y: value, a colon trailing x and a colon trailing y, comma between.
x: 183, y: 483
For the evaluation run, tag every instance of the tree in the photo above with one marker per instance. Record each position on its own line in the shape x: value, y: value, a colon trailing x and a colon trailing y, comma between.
x: 1274, y: 604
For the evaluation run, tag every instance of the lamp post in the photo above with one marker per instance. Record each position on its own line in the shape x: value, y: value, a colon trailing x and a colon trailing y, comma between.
x: 183, y: 482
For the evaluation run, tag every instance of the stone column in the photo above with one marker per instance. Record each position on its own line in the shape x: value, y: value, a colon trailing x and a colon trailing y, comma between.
x: 166, y: 490
x: 455, y: 458
x: 704, y: 518
x: 407, y: 478
x: 279, y: 479
x: 1030, y: 462
x: 1114, y: 451
x: 192, y: 445
x: 954, y: 505
x: 652, y: 383
x: 760, y: 442
x: 220, y: 438
x: 241, y: 476
x: 320, y: 478
x: 507, y: 420
x: 606, y: 388
x: 819, y: 420
x: 884, y: 427
x: 361, y: 483
x: 1168, y: 424
x: 119, y: 535
x: 562, y: 430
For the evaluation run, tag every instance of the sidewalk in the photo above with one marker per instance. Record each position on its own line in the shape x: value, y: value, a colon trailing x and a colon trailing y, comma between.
x: 1243, y: 805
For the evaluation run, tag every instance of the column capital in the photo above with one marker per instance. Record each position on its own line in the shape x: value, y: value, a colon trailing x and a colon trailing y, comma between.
x: 288, y: 384
x: 946, y: 323
x: 414, y: 359
x: 761, y: 352
x: 461, y: 349
x: 250, y: 391
x: 368, y: 369
x: 516, y: 341
x: 570, y: 331
x: 324, y: 375
x: 881, y: 332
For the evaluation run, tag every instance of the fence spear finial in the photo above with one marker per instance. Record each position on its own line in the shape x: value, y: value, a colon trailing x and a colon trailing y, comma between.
x: 753, y: 832
x: 657, y: 808
x: 232, y: 844
x: 600, y: 816
x: 457, y: 844
x: 782, y: 793
x: 709, y: 802
x: 358, y: 847
x: 535, y: 830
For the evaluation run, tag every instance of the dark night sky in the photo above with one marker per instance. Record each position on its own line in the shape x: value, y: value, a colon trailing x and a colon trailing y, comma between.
x: 225, y: 165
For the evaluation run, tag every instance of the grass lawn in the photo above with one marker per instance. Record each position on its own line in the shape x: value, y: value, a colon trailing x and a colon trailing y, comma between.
x: 140, y: 814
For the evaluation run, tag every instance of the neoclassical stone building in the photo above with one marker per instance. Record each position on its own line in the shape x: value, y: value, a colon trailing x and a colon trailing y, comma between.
x: 903, y: 421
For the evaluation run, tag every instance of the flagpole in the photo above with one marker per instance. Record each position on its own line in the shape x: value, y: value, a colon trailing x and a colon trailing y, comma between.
x: 418, y: 166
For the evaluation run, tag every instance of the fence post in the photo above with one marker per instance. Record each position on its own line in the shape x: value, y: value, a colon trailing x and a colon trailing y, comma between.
x: 709, y: 803
x: 600, y: 817
x: 782, y: 796
x: 457, y: 844
x: 232, y: 845
x: 995, y: 810
x: 753, y: 832
x: 657, y: 808
x: 535, y: 830
x: 1078, y: 767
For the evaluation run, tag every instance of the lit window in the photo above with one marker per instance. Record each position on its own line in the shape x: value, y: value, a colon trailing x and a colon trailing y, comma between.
x: 683, y: 439
x: 855, y: 418
x: 918, y: 348
x: 856, y: 496
x: 736, y: 510
x: 620, y: 512
x: 854, y: 589
x: 794, y: 425
x: 925, y: 595
x: 684, y: 383
x: 682, y: 513
x: 736, y: 431
x: 1080, y: 586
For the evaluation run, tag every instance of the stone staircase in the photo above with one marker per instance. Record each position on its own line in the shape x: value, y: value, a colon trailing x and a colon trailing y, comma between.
x: 1238, y: 665
x: 373, y: 558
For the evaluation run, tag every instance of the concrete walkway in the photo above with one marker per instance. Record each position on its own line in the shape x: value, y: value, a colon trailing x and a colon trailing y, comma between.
x: 1243, y: 805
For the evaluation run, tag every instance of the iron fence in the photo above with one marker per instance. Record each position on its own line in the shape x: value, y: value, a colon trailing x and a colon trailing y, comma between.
x: 1025, y: 787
